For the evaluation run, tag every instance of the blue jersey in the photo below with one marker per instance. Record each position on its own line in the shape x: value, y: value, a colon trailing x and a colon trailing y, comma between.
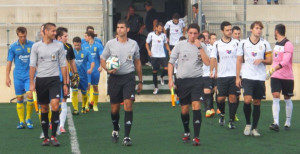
x: 20, y: 54
x: 96, y: 39
x: 82, y: 59
x: 96, y: 50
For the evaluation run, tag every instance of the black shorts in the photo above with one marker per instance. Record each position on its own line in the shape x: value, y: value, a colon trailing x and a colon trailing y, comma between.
x: 189, y: 90
x: 171, y: 47
x: 62, y: 91
x: 121, y: 87
x: 254, y: 88
x: 208, y: 83
x: 226, y: 86
x: 47, y: 88
x: 286, y: 86
x: 157, y: 62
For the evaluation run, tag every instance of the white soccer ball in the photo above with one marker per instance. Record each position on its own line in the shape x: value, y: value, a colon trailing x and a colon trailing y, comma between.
x: 112, y: 63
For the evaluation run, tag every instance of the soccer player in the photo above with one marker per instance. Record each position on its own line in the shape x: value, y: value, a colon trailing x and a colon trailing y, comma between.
x: 225, y: 54
x: 157, y: 54
x: 205, y: 33
x: 91, y: 29
x: 177, y: 29
x: 236, y: 33
x: 96, y: 50
x: 62, y: 36
x: 282, y: 79
x: 19, y: 52
x: 189, y: 80
x: 82, y: 58
x: 121, y: 82
x: 255, y: 53
x: 209, y: 84
x: 45, y: 59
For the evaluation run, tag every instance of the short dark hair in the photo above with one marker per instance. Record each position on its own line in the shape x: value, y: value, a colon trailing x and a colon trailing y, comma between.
x: 22, y: 30
x: 60, y: 31
x: 92, y: 34
x: 48, y: 25
x: 212, y: 34
x: 122, y: 21
x: 195, y: 26
x: 89, y: 27
x: 236, y: 28
x: 176, y: 16
x: 205, y: 31
x: 148, y: 3
x: 280, y: 28
x: 77, y: 39
x: 201, y: 36
x: 259, y: 23
x: 195, y: 5
x: 160, y: 24
x: 224, y: 24
x: 182, y: 38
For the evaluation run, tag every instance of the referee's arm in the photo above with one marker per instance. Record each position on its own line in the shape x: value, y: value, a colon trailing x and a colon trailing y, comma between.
x: 33, y: 64
x: 63, y: 65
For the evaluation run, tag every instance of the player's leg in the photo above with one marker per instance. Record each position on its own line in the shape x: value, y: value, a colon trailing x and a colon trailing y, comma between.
x: 276, y: 88
x: 287, y: 91
x: 223, y: 87
x: 185, y: 118
x: 64, y: 111
x: 94, y: 82
x: 248, y: 92
x: 155, y: 67
x: 197, y: 120
x: 233, y: 93
x: 164, y: 64
x: 75, y: 101
x: 20, y: 91
x: 29, y: 109
x: 207, y: 101
x: 83, y: 87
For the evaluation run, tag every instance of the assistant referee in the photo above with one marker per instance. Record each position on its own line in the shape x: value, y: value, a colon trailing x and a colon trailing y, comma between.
x: 46, y: 57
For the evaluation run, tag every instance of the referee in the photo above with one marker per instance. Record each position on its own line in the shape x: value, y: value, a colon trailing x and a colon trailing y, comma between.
x: 46, y: 57
x: 189, y: 82
x: 121, y: 82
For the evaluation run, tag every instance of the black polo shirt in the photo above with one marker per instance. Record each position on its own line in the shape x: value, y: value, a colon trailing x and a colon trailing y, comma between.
x: 150, y: 17
x: 135, y: 22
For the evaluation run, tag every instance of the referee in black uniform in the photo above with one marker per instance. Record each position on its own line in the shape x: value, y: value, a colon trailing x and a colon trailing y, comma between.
x: 46, y: 57
x: 121, y: 82
x: 189, y: 82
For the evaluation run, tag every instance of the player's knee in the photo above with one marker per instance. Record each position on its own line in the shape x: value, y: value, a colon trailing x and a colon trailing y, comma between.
x: 154, y: 71
x: 127, y: 105
x: 232, y: 98
x: 196, y: 105
x: 207, y: 91
x: 276, y: 95
x: 184, y: 109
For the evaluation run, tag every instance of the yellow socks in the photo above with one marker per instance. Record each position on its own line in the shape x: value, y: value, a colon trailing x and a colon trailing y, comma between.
x: 75, y: 99
x: 29, y: 108
x: 95, y: 98
x: 20, y: 110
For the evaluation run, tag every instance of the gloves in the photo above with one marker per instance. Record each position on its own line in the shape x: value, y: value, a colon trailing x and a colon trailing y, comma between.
x: 75, y: 80
x: 270, y: 72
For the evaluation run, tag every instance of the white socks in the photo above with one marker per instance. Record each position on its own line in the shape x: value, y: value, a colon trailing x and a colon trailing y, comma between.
x: 275, y: 110
x: 63, y: 114
x: 289, y: 110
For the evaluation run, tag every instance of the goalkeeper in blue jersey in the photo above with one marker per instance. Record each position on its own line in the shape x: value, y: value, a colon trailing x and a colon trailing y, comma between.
x: 96, y: 50
x: 82, y: 59
x: 19, y: 52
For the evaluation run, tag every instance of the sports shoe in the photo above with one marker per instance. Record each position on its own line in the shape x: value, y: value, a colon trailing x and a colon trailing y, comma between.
x: 218, y: 111
x: 75, y: 112
x: 95, y: 108
x: 62, y: 130
x: 196, y: 141
x: 87, y: 109
x: 208, y: 114
x: 46, y: 142
x: 83, y: 110
x: 254, y: 132
x: 42, y: 136
x: 212, y: 112
x: 286, y: 127
x: 231, y: 125
x: 247, y: 130
x: 127, y: 141
x: 274, y: 127
x: 222, y: 120
x: 29, y: 123
x: 236, y: 118
x: 50, y: 126
x: 54, y: 141
x: 155, y: 91
x: 186, y: 137
x: 115, y: 136
x: 91, y: 105
x: 162, y: 82
x: 21, y: 125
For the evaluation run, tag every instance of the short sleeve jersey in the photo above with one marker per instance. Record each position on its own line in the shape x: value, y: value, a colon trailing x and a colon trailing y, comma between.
x: 176, y: 31
x: 157, y: 44
x: 82, y: 59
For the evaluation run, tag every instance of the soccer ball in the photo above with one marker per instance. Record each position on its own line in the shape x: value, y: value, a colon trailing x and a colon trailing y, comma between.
x: 112, y: 63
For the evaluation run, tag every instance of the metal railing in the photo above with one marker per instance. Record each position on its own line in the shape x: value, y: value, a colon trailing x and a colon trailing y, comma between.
x: 8, y: 34
x: 292, y: 33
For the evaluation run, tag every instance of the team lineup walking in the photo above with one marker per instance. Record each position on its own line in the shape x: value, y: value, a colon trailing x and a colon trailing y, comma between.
x: 205, y: 71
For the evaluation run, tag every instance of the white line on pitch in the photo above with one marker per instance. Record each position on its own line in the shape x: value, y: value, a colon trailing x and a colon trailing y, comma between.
x: 73, y: 134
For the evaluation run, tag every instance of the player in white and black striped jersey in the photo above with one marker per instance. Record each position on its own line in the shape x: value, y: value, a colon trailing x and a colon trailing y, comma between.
x: 225, y: 53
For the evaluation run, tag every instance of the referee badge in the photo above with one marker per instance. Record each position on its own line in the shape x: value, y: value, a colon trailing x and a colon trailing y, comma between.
x: 95, y: 49
x: 53, y: 57
x: 129, y: 57
x: 82, y: 55
x: 28, y: 50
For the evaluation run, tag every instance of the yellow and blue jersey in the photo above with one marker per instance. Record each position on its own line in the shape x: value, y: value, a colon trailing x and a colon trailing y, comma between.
x: 82, y: 59
x: 95, y: 50
x: 96, y: 39
x: 20, y: 54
